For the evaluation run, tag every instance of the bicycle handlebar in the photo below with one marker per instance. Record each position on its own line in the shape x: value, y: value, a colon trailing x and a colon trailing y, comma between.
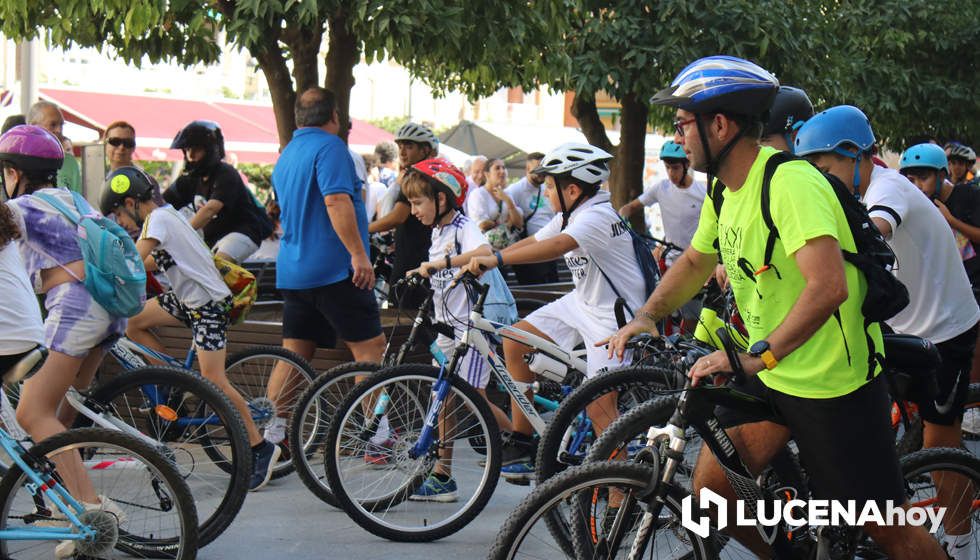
x: 738, y: 373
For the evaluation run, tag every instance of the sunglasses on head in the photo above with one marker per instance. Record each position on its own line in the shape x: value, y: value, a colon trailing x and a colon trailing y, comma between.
x: 125, y: 142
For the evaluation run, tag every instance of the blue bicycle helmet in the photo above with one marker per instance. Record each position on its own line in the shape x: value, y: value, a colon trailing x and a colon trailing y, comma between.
x: 924, y: 155
x: 672, y: 150
x: 834, y: 129
x: 720, y: 84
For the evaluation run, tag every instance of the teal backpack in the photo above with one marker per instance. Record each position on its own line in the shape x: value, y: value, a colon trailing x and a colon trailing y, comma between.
x: 114, y: 273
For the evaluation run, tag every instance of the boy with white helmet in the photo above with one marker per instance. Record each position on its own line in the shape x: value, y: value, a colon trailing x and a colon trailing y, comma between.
x: 599, y: 252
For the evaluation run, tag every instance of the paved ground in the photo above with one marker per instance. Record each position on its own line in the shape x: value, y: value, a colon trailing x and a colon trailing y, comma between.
x: 286, y: 521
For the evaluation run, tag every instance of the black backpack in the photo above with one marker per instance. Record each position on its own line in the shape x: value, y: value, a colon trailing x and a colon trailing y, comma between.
x: 886, y: 295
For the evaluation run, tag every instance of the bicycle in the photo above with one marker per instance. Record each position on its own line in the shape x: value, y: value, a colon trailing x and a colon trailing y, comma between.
x: 627, y: 507
x: 249, y: 371
x: 145, y: 507
x: 414, y: 397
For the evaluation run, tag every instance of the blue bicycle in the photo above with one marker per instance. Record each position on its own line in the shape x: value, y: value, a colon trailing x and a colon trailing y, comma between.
x: 141, y: 505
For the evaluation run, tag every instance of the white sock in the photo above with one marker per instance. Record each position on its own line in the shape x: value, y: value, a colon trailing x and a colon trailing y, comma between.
x: 276, y: 430
x: 383, y: 431
x: 958, y: 546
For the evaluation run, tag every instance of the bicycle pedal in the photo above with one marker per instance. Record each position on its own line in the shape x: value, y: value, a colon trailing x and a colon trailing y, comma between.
x: 518, y: 481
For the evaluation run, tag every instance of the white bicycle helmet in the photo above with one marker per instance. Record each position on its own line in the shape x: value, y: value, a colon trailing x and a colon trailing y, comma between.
x: 419, y: 133
x: 957, y: 150
x: 583, y: 162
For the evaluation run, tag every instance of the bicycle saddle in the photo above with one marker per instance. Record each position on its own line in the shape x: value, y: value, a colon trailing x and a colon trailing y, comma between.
x: 17, y: 367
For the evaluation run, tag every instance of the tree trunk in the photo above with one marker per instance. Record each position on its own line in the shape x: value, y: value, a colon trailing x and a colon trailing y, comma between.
x: 587, y: 115
x: 304, y: 48
x: 626, y: 182
x: 273, y: 65
x: 342, y: 54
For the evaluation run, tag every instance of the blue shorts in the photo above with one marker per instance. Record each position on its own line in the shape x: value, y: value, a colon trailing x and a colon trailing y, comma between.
x: 325, y: 313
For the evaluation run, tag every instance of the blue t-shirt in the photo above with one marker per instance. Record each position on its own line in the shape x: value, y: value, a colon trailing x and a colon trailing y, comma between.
x: 313, y: 165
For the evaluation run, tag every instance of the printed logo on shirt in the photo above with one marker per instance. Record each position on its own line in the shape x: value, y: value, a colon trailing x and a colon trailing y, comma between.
x: 577, y: 266
x: 618, y: 228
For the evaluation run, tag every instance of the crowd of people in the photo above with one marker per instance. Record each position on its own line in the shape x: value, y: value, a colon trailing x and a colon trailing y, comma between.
x: 773, y: 230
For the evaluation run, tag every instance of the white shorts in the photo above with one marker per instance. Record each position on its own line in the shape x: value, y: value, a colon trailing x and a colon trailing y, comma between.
x: 472, y: 368
x: 236, y: 245
x: 568, y: 324
x: 76, y: 323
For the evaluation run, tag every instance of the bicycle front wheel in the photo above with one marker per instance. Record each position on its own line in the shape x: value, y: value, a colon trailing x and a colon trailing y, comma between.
x: 384, y: 467
x: 270, y: 379
x: 194, y: 422
x: 146, y: 511
x: 311, y: 418
x: 593, y: 499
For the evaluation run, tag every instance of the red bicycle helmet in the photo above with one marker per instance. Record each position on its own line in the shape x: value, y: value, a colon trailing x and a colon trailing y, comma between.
x: 445, y: 175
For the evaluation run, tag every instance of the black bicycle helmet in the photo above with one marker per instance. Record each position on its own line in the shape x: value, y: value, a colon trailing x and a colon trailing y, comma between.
x: 790, y: 109
x: 123, y: 183
x: 201, y: 134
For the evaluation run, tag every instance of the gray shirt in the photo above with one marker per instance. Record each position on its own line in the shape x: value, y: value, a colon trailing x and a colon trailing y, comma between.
x: 530, y: 199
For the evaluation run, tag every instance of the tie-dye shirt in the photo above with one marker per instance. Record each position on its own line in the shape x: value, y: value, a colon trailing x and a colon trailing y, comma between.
x: 49, y: 238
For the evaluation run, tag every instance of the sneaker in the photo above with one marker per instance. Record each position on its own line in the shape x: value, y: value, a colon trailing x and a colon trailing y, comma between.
x: 275, y: 432
x: 284, y: 454
x: 378, y: 455
x: 971, y: 421
x: 66, y: 549
x: 517, y: 458
x: 264, y: 461
x: 435, y: 490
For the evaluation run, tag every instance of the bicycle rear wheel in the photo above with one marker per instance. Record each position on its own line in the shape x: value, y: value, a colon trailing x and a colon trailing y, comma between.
x: 311, y: 418
x: 194, y: 422
x: 378, y: 477
x: 142, y: 493
x: 270, y: 379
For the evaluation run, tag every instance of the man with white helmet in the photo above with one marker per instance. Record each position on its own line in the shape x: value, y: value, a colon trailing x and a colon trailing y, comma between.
x: 599, y: 252
x: 416, y: 143
x: 961, y: 160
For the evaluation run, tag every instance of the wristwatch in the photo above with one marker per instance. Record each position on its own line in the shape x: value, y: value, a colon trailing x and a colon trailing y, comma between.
x: 761, y: 350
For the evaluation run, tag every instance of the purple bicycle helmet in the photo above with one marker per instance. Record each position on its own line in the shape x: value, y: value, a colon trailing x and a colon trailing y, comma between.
x: 31, y: 149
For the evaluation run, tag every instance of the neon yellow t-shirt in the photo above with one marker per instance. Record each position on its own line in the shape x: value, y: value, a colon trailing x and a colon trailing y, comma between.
x: 834, y: 361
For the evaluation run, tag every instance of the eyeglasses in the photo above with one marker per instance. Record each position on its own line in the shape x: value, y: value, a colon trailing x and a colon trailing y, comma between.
x: 128, y: 143
x: 680, y: 124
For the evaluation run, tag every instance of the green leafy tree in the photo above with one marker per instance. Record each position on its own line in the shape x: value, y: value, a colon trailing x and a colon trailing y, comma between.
x: 476, y: 47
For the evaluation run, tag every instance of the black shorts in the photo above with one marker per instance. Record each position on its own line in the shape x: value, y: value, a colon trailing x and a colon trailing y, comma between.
x: 953, y: 379
x: 325, y: 313
x: 846, y: 443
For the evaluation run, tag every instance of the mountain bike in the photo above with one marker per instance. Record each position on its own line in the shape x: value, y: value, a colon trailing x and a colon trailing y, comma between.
x: 145, y: 507
x: 632, y: 509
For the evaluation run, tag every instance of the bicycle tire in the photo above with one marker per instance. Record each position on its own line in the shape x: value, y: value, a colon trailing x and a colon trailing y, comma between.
x: 311, y: 418
x: 249, y: 373
x: 540, y: 503
x: 362, y: 512
x: 193, y: 395
x: 182, y: 547
x: 641, y: 383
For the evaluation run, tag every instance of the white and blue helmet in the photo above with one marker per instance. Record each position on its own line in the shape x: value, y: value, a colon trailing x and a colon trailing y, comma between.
x: 720, y: 84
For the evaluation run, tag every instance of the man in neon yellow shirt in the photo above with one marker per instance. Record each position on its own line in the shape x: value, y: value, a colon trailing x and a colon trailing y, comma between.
x: 809, y: 357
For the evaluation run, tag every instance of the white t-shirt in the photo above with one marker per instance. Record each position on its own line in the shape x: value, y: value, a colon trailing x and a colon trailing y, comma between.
x: 21, y: 327
x: 483, y: 206
x: 455, y: 238
x: 193, y: 277
x: 360, y: 169
x: 532, y: 202
x: 374, y: 192
x: 941, y: 302
x: 603, y: 243
x: 680, y: 209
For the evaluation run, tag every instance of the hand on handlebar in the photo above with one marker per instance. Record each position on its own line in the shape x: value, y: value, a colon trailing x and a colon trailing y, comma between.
x: 716, y: 365
x: 616, y: 344
x: 478, y: 265
x: 425, y: 270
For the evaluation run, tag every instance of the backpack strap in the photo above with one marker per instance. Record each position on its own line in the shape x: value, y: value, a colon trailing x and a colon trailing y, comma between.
x: 73, y: 217
x: 774, y: 161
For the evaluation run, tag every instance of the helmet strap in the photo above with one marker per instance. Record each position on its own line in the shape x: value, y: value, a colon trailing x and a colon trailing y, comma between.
x: 856, y: 183
x: 135, y: 216
x: 714, y: 164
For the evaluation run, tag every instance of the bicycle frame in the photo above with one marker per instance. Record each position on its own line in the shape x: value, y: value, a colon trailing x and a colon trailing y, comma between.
x: 52, y: 490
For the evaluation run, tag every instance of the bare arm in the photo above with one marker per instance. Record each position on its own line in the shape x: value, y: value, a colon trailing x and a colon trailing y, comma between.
x: 632, y: 206
x: 146, y: 246
x: 396, y: 217
x: 206, y: 213
x: 883, y: 226
x: 514, y: 217
x: 340, y: 208
x: 458, y: 260
x: 524, y: 253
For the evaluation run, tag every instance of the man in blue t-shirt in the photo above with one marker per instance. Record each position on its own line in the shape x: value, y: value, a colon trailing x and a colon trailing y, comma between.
x: 323, y: 269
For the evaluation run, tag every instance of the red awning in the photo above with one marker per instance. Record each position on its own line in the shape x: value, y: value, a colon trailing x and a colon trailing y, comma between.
x: 249, y: 128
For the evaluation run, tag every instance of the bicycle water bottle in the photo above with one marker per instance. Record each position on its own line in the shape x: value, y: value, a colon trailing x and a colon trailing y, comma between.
x: 437, y: 353
x: 545, y: 365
